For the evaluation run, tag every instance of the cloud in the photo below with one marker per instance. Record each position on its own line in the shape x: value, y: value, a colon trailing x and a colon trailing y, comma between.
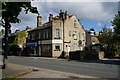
x: 13, y: 29
x: 1, y: 27
x: 112, y: 28
x: 76, y: 0
x: 84, y: 10
x: 95, y: 11
x: 26, y: 20
x: 99, y: 24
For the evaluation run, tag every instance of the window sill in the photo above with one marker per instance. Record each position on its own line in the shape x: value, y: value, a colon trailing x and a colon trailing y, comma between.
x: 56, y: 50
x: 56, y: 38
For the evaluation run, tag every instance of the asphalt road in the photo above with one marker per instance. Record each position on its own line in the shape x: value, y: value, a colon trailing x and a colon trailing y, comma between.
x: 82, y: 68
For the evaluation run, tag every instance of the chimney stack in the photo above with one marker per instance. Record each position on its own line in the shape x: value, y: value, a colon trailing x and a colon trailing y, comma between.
x: 63, y: 15
x: 60, y: 11
x: 50, y: 17
x: 65, y: 12
x: 39, y: 21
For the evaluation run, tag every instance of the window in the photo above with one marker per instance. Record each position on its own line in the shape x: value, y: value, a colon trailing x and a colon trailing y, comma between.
x: 93, y: 39
x: 57, y: 47
x: 69, y: 33
x: 79, y: 36
x: 29, y: 36
x: 57, y: 33
x: 39, y: 35
x: 75, y: 24
x: 33, y: 36
x: 83, y: 36
x: 45, y: 34
x: 46, y: 48
x: 75, y: 46
x: 74, y: 35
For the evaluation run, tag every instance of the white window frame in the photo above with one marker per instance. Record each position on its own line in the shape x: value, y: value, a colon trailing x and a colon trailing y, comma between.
x: 57, y: 33
x: 56, y: 46
x: 33, y: 36
x: 83, y: 36
x: 75, y: 35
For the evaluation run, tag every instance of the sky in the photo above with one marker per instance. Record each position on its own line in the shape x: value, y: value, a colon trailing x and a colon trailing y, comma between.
x: 92, y: 14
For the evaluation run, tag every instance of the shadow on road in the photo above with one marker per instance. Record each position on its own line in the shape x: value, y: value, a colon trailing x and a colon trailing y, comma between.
x: 109, y: 61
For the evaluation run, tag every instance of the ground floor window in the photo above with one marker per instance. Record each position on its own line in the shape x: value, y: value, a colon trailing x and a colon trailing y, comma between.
x: 32, y: 51
x: 47, y: 48
x: 57, y: 47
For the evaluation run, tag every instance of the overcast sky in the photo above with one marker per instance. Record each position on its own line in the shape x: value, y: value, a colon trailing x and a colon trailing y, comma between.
x: 91, y: 14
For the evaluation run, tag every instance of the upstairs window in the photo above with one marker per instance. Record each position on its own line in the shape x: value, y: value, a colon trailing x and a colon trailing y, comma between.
x: 69, y: 33
x: 57, y: 33
x: 75, y: 24
x: 79, y: 36
x: 83, y: 36
x: 45, y: 34
x: 39, y: 35
x: 33, y: 36
x: 29, y: 36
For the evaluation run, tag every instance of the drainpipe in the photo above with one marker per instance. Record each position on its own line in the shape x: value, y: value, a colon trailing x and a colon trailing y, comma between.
x: 63, y: 37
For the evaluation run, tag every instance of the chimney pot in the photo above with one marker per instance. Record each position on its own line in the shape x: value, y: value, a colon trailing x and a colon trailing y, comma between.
x: 50, y: 17
x: 60, y: 11
x: 39, y: 21
x: 65, y: 12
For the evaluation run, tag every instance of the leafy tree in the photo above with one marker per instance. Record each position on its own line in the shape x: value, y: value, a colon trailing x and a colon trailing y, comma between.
x: 116, y: 24
x: 10, y: 12
x: 2, y: 32
x: 19, y: 39
x: 108, y: 41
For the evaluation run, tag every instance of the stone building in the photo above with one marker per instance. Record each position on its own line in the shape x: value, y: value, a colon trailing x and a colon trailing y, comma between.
x: 16, y: 41
x: 55, y: 38
x: 88, y: 39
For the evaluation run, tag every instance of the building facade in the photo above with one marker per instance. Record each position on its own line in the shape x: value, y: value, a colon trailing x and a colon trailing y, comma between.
x: 55, y: 38
x: 16, y: 41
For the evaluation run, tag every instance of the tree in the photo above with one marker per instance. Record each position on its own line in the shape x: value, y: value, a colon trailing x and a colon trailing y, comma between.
x: 10, y: 12
x: 108, y: 41
x: 116, y: 24
x: 2, y: 32
x: 18, y: 41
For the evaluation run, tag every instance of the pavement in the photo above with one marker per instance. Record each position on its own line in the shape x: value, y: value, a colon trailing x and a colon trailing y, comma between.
x: 32, y: 73
x: 14, y: 69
